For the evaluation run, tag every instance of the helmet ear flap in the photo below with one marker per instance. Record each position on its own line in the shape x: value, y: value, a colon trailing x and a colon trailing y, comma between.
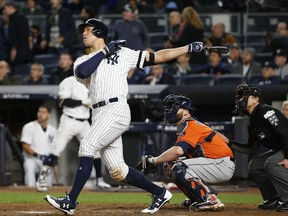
x: 98, y: 33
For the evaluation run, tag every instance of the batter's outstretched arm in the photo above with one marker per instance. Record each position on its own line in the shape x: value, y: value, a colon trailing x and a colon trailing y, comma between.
x: 165, y: 55
x: 85, y: 69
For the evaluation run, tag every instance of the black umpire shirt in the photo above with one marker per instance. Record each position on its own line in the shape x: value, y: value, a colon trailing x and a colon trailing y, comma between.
x: 267, y: 126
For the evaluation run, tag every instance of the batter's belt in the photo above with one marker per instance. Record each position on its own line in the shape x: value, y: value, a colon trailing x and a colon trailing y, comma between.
x: 103, y: 103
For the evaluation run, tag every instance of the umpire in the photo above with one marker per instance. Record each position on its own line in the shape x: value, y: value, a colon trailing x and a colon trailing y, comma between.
x: 268, y: 127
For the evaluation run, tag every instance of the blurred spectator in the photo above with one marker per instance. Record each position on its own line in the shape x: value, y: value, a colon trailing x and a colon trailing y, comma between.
x: 267, y: 76
x: 280, y: 60
x: 164, y: 6
x: 192, y: 29
x: 174, y: 23
x: 268, y: 43
x: 60, y: 33
x: 5, y: 77
x: 219, y: 37
x: 87, y: 12
x: 284, y: 108
x: 75, y: 6
x: 181, y: 67
x: 136, y: 76
x: 5, y: 29
x: 32, y: 8
x: 159, y: 76
x: 234, y: 56
x: 35, y: 39
x: 215, y: 66
x: 2, y: 49
x: 64, y: 70
x: 247, y: 67
x: 18, y: 51
x: 280, y: 37
x: 133, y: 30
x: 36, y: 75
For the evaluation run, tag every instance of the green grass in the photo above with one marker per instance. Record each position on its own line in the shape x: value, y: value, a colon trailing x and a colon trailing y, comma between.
x: 121, y: 197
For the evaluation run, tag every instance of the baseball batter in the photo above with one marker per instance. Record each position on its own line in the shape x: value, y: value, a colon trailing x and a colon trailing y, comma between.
x: 74, y: 98
x: 104, y: 72
x: 36, y: 138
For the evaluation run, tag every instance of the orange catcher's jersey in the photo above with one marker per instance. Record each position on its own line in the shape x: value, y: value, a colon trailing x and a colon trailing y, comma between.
x: 194, y: 139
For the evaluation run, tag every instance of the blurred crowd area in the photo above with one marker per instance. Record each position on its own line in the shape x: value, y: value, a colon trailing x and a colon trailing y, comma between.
x: 39, y: 40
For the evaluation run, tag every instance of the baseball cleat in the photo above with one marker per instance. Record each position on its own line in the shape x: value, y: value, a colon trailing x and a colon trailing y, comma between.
x: 102, y: 184
x: 157, y: 202
x: 61, y: 203
x: 270, y: 204
x: 41, y: 186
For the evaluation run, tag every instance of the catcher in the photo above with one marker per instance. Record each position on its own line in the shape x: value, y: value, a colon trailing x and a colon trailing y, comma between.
x: 208, y: 157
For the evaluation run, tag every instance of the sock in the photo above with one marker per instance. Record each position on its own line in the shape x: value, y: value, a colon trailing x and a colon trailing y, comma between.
x: 82, y: 175
x: 137, y: 179
x: 98, y: 167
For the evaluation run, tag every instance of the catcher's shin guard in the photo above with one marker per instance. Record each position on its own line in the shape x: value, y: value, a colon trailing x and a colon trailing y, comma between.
x: 192, y: 187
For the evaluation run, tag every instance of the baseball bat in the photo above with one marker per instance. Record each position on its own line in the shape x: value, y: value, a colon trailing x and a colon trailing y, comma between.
x: 218, y: 49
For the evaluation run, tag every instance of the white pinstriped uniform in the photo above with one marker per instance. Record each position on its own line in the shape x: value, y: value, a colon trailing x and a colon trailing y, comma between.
x: 40, y: 141
x: 69, y: 127
x: 112, y: 120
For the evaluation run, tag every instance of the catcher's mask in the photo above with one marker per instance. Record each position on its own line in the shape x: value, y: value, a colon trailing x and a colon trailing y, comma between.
x: 172, y: 103
x: 243, y: 91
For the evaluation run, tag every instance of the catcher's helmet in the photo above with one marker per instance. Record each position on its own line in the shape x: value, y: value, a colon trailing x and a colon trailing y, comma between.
x: 172, y: 103
x: 100, y: 30
x: 243, y: 91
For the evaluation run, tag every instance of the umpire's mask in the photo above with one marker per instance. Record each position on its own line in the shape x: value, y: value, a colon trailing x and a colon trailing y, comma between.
x: 243, y: 91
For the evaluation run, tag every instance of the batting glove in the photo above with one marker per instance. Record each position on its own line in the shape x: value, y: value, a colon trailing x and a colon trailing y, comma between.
x: 195, y: 47
x: 41, y: 157
x: 114, y: 46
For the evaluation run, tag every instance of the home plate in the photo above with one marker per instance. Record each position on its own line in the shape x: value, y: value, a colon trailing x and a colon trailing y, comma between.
x: 33, y: 212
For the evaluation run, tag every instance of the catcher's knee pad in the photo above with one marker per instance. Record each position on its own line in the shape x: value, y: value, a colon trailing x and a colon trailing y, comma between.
x: 51, y: 160
x: 118, y: 173
x: 191, y: 186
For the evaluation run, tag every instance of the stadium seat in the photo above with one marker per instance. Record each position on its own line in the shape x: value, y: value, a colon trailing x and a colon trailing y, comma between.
x: 198, y: 79
x: 229, y: 79
x: 46, y: 59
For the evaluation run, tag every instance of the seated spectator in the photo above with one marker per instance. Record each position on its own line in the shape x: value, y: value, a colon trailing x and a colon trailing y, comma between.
x: 158, y: 76
x: 64, y: 70
x: 247, y: 67
x: 174, y: 24
x: 31, y: 8
x: 280, y: 60
x: 5, y: 77
x: 181, y: 67
x: 215, y: 66
x: 35, y: 39
x: 87, y: 12
x: 219, y: 37
x: 136, y: 76
x: 280, y: 37
x: 284, y: 108
x: 268, y: 75
x: 36, y: 75
x: 268, y: 43
x: 234, y: 55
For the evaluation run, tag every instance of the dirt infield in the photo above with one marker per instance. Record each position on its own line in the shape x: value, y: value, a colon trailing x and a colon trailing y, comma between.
x: 44, y: 209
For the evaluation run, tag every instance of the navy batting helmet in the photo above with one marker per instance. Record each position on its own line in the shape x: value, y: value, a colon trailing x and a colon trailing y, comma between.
x: 243, y: 91
x: 172, y: 103
x: 100, y: 30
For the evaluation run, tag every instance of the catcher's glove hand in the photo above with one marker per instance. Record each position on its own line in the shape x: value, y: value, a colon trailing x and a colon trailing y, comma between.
x: 147, y: 165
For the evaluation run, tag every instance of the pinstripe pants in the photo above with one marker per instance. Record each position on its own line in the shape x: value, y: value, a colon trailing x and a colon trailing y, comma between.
x: 108, y: 124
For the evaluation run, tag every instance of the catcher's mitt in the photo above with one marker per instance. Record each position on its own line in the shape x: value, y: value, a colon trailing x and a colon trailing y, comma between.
x: 145, y: 166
